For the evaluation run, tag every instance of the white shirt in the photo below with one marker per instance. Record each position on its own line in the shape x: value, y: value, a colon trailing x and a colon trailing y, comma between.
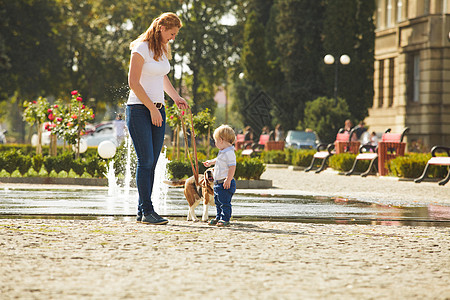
x: 225, y: 159
x: 152, y: 76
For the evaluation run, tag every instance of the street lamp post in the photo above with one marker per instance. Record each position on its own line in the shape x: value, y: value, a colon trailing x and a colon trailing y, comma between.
x: 329, y: 60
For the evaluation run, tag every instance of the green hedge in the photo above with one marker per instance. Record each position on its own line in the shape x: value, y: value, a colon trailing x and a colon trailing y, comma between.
x: 412, y: 165
x: 13, y: 160
x: 246, y: 168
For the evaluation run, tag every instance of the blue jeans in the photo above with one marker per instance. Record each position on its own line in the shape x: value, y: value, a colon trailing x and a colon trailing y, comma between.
x: 148, y: 140
x: 222, y: 198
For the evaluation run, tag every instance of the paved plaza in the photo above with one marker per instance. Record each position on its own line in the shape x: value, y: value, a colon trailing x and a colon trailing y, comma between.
x: 119, y: 259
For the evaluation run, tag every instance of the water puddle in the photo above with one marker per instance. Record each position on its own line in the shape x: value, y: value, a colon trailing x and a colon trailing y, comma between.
x: 92, y: 203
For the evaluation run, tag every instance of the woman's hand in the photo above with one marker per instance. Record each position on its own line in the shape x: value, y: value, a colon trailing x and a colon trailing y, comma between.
x: 156, y: 117
x: 181, y: 103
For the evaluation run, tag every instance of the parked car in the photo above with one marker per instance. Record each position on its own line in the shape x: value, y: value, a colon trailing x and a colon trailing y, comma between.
x: 301, y: 139
x: 102, y: 132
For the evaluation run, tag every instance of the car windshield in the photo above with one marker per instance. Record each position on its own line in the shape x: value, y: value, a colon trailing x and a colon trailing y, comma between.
x: 303, y: 136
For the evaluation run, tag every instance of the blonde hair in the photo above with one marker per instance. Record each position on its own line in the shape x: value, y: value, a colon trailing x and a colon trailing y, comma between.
x: 153, y: 35
x: 226, y: 133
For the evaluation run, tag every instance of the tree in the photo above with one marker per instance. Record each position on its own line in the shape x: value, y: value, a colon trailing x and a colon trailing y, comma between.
x: 349, y: 29
x: 204, y: 44
x: 325, y: 116
x: 299, y: 28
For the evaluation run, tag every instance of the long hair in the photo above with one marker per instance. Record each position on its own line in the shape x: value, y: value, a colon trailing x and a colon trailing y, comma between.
x: 153, y: 35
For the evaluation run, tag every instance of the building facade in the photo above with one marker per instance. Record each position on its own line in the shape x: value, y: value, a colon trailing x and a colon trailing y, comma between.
x: 412, y: 70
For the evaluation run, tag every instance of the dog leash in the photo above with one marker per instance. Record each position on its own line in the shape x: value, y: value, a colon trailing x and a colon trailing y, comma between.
x: 183, y: 126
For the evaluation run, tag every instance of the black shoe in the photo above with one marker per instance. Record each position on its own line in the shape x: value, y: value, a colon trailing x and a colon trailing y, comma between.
x: 139, y: 218
x: 154, y: 218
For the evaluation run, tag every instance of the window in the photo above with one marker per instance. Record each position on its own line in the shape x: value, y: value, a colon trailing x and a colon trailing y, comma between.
x: 388, y: 13
x: 379, y: 11
x: 416, y: 80
x: 399, y: 10
x: 426, y: 7
x: 380, y: 82
x: 391, y: 83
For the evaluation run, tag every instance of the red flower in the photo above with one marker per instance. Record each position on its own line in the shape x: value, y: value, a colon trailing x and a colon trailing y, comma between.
x: 49, y: 110
x: 74, y: 117
x: 171, y: 117
x: 79, y: 99
x: 34, y: 102
x: 55, y: 106
x: 58, y: 119
x: 82, y: 107
x: 69, y: 124
x: 74, y: 92
x: 182, y: 113
x: 51, y: 117
x: 93, y: 116
x: 52, y: 125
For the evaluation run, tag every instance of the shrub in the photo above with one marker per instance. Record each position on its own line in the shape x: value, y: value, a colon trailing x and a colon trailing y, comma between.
x: 412, y: 165
x: 37, y: 162
x: 274, y: 157
x: 247, y: 168
x: 51, y: 164
x: 78, y: 166
x: 302, y: 158
x: 95, y: 166
x: 11, y: 160
x: 23, y: 163
x: 344, y: 162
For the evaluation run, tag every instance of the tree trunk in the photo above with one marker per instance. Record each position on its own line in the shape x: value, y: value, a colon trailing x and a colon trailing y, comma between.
x: 53, y: 145
x: 39, y: 143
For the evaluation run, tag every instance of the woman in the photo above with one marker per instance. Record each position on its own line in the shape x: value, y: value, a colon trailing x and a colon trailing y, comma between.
x: 146, y: 117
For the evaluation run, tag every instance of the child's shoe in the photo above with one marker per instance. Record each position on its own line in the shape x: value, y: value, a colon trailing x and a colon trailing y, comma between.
x: 223, y: 223
x: 213, y: 222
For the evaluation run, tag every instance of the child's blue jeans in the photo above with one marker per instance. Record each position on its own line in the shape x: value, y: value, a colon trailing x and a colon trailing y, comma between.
x: 222, y: 198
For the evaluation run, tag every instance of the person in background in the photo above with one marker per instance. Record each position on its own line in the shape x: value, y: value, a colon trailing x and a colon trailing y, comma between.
x: 348, y: 125
x: 279, y: 133
x: 224, y: 169
x: 360, y: 129
x: 145, y: 113
x: 373, y: 139
x: 119, y: 128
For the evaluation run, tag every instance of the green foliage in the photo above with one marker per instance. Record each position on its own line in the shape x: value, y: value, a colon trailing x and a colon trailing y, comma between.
x: 344, y: 162
x: 23, y: 163
x: 203, y: 122
x: 78, y: 166
x: 11, y: 160
x: 37, y: 162
x: 95, y: 167
x: 274, y: 157
x: 253, y: 57
x: 412, y: 165
x: 302, y: 158
x: 349, y: 29
x: 36, y: 112
x: 299, y: 40
x: 325, y: 116
x: 246, y: 168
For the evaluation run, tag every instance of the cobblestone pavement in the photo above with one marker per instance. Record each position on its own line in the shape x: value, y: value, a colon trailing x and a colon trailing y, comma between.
x: 119, y: 259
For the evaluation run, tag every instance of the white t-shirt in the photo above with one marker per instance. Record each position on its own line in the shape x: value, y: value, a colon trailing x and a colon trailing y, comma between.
x: 225, y: 159
x: 152, y: 77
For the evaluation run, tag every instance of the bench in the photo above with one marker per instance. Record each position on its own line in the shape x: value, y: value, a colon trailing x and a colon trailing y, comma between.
x: 342, y: 144
x: 263, y: 139
x: 391, y: 146
x: 274, y: 145
x: 437, y: 161
x: 241, y: 143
